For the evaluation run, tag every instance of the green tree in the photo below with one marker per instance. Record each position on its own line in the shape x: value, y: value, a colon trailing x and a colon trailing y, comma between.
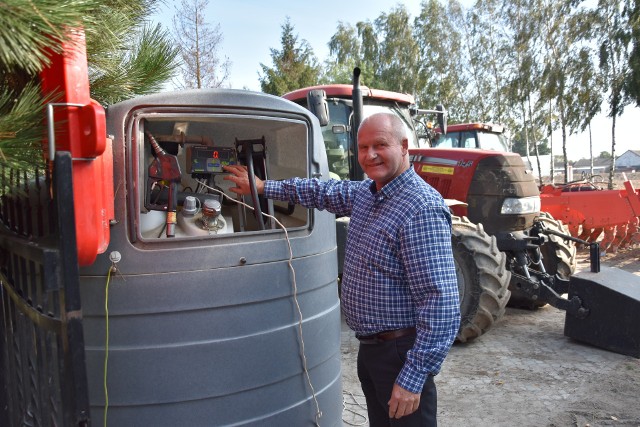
x: 589, y: 94
x: 519, y: 145
x: 632, y: 83
x: 386, y: 52
x: 28, y: 31
x: 441, y: 75
x: 352, y: 47
x: 294, y: 67
x: 488, y: 45
x: 344, y: 55
x: 561, y: 38
x: 523, y: 77
x: 528, y: 64
x: 613, y: 38
x: 124, y: 56
x: 199, y: 44
x: 398, y: 52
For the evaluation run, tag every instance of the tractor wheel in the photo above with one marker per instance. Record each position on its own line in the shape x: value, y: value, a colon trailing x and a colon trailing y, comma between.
x: 483, y: 279
x: 558, y: 255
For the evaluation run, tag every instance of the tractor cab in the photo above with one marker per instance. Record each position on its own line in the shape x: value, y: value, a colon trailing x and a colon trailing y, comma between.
x: 338, y: 126
x: 484, y: 136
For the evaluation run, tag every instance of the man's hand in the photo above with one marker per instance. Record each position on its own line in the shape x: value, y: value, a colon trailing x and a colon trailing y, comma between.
x: 402, y: 402
x: 240, y: 177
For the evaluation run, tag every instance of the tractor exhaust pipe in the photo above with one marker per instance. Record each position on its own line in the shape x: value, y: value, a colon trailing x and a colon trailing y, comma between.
x: 356, y: 97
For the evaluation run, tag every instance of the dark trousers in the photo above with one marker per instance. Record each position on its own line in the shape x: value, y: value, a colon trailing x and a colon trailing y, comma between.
x: 378, y: 368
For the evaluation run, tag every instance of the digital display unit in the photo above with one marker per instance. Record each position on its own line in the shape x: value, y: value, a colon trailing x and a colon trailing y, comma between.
x: 206, y: 160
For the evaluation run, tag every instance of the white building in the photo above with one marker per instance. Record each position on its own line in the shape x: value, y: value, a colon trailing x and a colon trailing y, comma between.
x: 629, y: 159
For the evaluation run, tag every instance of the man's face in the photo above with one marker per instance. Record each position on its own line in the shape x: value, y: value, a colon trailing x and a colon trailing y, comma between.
x: 380, y: 154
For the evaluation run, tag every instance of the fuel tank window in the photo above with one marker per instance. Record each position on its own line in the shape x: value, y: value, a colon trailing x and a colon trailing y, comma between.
x: 179, y: 161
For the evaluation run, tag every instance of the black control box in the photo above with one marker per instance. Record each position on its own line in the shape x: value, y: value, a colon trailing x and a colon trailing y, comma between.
x: 206, y: 160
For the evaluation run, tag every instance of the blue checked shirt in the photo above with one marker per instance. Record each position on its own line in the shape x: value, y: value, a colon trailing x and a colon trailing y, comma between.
x: 398, y: 267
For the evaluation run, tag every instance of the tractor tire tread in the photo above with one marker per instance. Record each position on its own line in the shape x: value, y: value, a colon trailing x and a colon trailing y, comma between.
x: 493, y: 278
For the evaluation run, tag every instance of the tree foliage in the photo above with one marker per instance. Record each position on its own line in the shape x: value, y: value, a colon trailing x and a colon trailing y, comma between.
x: 613, y: 38
x: 536, y: 66
x: 199, y: 43
x: 442, y: 77
x: 125, y: 58
x: 344, y: 50
x: 632, y: 83
x: 294, y: 67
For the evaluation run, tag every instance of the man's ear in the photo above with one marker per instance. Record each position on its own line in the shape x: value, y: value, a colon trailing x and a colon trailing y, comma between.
x: 405, y: 146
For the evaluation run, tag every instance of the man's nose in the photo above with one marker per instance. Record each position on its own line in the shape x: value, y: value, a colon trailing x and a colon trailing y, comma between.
x: 370, y: 153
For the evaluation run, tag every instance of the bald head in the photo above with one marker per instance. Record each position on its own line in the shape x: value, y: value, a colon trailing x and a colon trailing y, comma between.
x: 394, y: 125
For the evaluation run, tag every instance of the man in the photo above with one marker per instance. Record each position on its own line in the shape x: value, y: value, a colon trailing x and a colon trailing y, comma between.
x: 399, y: 288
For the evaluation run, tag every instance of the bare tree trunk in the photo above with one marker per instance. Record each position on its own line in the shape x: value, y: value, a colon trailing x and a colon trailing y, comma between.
x: 551, y: 169
x: 613, y: 152
x: 590, y: 150
x: 197, y: 24
x: 535, y: 145
x: 564, y: 153
x: 563, y: 123
x: 526, y: 132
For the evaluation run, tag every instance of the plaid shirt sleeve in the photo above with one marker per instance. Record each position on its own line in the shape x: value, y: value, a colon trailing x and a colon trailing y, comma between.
x: 333, y: 195
x: 428, y: 261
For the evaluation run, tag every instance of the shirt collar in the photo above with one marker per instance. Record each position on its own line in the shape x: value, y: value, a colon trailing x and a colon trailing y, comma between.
x: 393, y: 187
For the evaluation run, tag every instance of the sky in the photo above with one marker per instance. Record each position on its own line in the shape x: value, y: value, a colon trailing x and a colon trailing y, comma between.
x: 250, y: 28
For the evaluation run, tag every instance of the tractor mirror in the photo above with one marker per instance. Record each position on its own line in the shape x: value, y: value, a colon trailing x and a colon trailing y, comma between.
x: 442, y: 118
x: 317, y: 101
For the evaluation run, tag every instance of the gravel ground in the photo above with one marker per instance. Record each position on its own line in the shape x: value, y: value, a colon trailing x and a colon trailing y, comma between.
x: 525, y: 372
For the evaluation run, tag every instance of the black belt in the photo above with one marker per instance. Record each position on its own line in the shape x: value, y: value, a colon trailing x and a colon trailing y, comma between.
x: 386, y: 336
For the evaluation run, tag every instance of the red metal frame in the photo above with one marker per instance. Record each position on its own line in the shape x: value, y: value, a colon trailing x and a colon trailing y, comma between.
x: 590, y: 213
x: 80, y: 128
x: 345, y: 91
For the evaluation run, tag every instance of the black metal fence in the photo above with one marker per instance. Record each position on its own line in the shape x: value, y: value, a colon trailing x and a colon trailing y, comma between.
x: 43, y: 379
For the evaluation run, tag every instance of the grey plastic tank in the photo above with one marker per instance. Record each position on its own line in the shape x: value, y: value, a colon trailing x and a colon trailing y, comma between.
x: 203, y: 327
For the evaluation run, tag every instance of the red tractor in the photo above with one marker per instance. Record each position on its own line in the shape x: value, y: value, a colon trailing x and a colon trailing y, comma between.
x: 484, y: 136
x: 587, y: 211
x: 505, y: 249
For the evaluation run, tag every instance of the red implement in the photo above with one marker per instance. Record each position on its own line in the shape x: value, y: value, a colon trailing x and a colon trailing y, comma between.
x: 589, y: 212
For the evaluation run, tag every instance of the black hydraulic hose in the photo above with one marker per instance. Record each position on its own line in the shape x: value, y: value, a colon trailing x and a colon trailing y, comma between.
x: 257, y: 211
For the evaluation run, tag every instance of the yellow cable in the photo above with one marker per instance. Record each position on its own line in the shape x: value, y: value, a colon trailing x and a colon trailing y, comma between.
x: 106, y: 344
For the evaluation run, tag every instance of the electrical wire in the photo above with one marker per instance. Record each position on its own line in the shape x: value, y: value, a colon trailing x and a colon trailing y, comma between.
x: 106, y: 343
x: 365, y: 419
x: 295, y: 299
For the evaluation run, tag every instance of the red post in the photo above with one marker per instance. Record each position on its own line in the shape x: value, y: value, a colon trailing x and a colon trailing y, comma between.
x: 79, y: 126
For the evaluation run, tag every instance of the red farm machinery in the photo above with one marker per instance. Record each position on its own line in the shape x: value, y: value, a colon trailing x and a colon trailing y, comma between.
x: 587, y: 210
x: 594, y: 214
x: 506, y: 249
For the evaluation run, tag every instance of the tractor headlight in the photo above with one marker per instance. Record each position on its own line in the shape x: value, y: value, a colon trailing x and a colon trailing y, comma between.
x: 519, y: 206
